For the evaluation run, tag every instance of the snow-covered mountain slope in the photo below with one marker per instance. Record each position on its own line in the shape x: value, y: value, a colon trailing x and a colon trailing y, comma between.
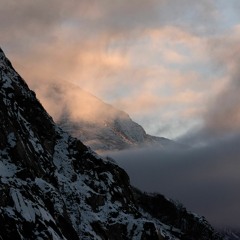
x: 54, y: 187
x: 98, y: 124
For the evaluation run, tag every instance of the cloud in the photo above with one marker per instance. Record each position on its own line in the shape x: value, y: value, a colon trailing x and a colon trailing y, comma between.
x: 66, y: 100
x: 154, y: 59
x: 224, y: 111
x: 221, y: 117
x: 35, y: 20
x: 205, y: 179
x: 118, y: 51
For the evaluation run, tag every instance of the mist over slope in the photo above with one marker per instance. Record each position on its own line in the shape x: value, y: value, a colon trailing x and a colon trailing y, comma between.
x: 98, y: 124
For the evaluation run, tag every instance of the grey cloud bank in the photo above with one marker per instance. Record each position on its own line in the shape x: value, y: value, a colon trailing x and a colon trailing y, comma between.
x: 205, y: 179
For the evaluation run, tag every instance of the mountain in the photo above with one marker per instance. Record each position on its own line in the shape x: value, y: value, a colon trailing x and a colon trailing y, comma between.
x: 98, y: 124
x: 52, y: 186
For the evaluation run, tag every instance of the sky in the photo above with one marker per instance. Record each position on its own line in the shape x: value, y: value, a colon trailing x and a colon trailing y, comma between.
x: 172, y: 65
x: 163, y: 62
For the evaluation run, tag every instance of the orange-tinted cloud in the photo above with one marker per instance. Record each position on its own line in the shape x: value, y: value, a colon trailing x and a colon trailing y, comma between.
x: 223, y: 115
x: 147, y: 57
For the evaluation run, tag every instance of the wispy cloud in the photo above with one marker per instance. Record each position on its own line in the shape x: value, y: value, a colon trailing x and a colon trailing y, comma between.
x: 118, y: 51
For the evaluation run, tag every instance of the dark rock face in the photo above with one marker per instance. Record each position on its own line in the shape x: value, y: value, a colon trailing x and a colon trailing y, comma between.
x: 176, y: 216
x: 54, y: 187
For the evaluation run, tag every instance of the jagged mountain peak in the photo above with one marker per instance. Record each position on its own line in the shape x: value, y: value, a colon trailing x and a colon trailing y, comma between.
x: 54, y: 187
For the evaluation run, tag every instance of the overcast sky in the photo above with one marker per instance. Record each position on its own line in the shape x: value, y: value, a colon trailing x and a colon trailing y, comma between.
x: 163, y: 62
